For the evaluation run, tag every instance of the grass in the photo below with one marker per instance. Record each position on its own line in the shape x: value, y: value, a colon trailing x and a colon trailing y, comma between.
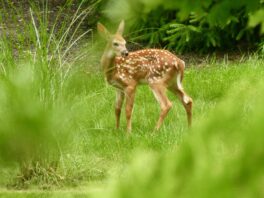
x: 221, y: 157
x: 95, y: 150
x: 57, y: 136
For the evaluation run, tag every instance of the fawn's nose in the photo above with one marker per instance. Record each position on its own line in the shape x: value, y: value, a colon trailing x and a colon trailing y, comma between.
x: 124, y: 53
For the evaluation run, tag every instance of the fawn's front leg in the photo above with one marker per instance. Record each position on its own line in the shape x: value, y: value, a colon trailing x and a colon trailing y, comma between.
x: 118, y: 106
x: 130, y: 95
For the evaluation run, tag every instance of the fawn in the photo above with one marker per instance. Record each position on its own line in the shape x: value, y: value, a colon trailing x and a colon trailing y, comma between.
x: 124, y: 70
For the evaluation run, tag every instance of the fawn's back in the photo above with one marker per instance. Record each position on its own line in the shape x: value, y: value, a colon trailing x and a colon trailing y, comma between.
x: 147, y: 66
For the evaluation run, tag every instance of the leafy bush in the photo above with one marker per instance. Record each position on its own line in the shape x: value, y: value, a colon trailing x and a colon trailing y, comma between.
x: 191, y: 26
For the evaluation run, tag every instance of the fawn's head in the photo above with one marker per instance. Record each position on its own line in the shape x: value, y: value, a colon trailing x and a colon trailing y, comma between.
x: 116, y: 41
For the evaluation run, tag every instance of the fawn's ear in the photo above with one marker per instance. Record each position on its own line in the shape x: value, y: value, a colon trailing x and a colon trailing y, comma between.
x: 121, y: 27
x: 103, y: 31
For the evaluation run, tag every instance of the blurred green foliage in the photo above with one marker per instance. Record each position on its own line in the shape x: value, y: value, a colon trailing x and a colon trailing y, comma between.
x: 191, y: 25
x: 222, y: 156
x: 26, y: 128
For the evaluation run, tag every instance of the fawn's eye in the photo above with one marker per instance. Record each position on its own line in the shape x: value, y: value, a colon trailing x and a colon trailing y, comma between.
x: 115, y: 44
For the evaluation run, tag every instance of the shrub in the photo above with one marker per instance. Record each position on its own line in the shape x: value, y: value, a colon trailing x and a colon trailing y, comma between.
x: 191, y: 26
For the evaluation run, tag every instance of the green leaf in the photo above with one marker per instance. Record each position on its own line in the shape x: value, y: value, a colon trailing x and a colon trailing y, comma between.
x: 212, y: 40
x: 194, y: 29
x: 187, y: 37
x: 257, y: 18
x: 240, y: 34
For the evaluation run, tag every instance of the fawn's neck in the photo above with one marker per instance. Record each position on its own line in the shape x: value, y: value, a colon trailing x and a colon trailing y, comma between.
x: 107, y: 62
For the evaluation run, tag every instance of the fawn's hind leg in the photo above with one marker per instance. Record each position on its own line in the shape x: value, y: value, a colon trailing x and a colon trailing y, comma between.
x: 165, y: 104
x: 184, y: 98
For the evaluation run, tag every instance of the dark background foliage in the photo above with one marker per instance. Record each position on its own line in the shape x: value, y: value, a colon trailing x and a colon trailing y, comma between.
x: 200, y: 26
x: 181, y: 26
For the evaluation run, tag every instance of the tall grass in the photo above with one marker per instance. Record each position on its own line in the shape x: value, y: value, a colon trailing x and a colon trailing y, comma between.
x: 35, y: 66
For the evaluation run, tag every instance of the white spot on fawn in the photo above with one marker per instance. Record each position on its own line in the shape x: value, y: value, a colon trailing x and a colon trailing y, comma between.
x: 176, y: 64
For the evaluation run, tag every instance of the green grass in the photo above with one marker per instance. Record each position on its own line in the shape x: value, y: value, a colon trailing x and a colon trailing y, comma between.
x: 221, y: 157
x: 92, y: 149
x: 57, y: 134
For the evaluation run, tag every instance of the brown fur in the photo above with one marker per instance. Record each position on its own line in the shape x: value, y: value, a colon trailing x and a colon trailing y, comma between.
x: 160, y: 69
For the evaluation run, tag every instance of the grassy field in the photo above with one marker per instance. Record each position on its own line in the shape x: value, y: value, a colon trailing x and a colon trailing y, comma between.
x: 76, y: 127
x: 57, y: 134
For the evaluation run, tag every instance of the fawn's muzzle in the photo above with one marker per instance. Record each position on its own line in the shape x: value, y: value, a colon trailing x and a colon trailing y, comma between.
x: 124, y: 53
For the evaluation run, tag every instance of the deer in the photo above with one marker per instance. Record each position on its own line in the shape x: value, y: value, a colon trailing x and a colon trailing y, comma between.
x: 160, y: 69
